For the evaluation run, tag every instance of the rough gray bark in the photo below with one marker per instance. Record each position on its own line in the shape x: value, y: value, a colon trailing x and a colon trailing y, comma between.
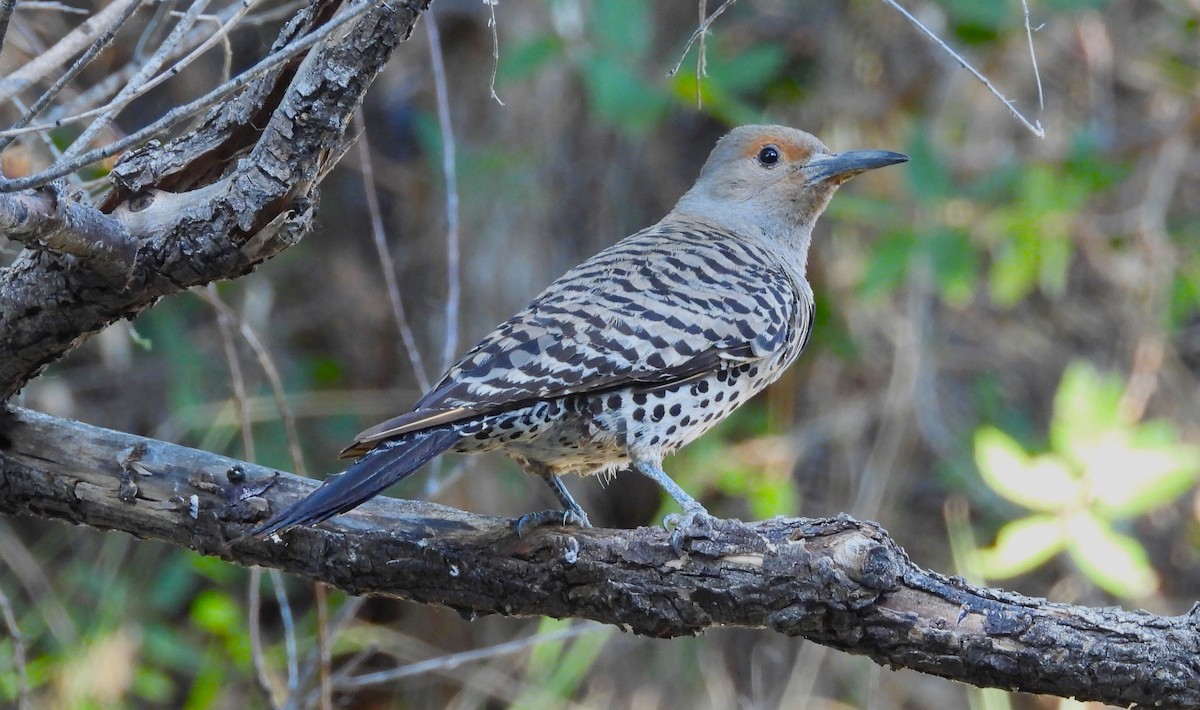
x: 839, y: 582
x: 208, y: 206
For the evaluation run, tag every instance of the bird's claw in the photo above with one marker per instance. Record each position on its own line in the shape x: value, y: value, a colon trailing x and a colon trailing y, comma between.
x: 542, y: 518
x: 686, y: 526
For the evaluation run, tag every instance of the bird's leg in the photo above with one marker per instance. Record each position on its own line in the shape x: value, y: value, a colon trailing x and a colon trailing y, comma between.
x: 692, y: 510
x: 571, y: 514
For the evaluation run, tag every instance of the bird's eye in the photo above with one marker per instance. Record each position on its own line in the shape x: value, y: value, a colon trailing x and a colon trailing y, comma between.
x: 768, y: 156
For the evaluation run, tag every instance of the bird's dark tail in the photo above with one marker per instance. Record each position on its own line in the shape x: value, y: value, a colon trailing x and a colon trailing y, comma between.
x: 391, y: 462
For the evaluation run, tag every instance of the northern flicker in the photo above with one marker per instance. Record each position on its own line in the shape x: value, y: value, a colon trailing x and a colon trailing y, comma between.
x: 638, y: 350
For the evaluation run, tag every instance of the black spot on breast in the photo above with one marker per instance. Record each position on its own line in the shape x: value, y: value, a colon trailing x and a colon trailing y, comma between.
x: 658, y: 412
x: 676, y: 409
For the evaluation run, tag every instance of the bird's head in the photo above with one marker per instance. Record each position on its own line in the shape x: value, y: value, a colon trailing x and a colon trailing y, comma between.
x: 774, y: 180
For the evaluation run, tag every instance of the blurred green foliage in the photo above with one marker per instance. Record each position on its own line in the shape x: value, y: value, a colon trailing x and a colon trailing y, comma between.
x: 1101, y: 471
x: 556, y: 669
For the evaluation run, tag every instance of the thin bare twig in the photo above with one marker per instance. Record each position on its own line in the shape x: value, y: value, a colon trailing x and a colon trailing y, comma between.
x: 102, y: 91
x: 450, y: 343
x: 261, y: 673
x: 92, y: 51
x: 1035, y: 127
x: 236, y: 378
x: 51, y: 6
x: 454, y: 660
x: 20, y: 560
x: 323, y: 645
x: 187, y: 111
x: 699, y: 33
x: 1037, y: 75
x: 495, y: 47
x: 344, y: 618
x: 72, y: 44
x: 289, y: 631
x: 18, y: 646
x: 270, y: 370
x: 386, y: 263
x: 143, y: 75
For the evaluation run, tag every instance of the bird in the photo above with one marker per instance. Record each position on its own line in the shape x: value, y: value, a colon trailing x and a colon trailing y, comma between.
x: 638, y: 350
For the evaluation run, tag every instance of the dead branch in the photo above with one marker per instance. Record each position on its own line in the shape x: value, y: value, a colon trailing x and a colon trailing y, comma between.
x: 840, y: 582
x: 212, y: 204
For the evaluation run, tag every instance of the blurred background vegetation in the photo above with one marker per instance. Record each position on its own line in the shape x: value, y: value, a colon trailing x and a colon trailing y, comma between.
x: 1005, y: 370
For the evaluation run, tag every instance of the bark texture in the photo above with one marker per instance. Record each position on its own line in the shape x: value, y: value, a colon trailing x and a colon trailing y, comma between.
x: 840, y: 582
x: 208, y: 206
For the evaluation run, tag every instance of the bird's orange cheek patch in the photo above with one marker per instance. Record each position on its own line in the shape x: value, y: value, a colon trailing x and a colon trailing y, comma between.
x: 791, y: 152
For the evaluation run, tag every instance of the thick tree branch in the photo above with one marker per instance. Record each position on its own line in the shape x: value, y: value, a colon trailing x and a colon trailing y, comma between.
x: 46, y: 218
x: 212, y: 204
x: 839, y: 582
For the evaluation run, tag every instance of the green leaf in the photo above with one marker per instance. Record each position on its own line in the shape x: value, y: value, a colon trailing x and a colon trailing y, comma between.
x: 1023, y: 545
x: 1117, y: 563
x: 153, y: 685
x: 1044, y: 483
x: 730, y: 83
x: 750, y: 71
x: 216, y: 612
x: 619, y: 95
x: 952, y: 259
x: 1184, y: 300
x: 557, y: 667
x: 1054, y: 258
x: 623, y: 28
x: 1086, y: 410
x: 1128, y: 480
x: 524, y: 60
x: 1012, y: 277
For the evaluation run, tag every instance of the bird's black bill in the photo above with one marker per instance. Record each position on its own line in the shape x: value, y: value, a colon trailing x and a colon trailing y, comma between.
x: 848, y: 164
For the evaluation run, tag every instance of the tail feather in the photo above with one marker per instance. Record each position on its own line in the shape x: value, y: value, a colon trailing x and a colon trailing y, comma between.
x: 391, y: 462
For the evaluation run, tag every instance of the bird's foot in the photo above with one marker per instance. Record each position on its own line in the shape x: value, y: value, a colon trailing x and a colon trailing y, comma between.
x: 542, y: 518
x: 698, y: 532
x: 691, y: 524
